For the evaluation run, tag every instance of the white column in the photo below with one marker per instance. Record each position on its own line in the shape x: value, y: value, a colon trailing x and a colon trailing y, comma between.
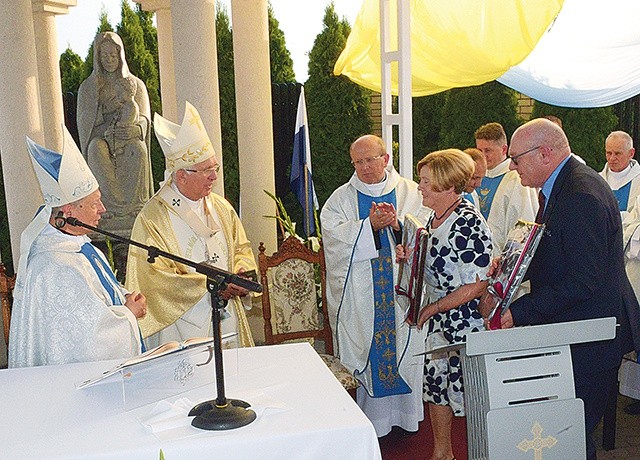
x: 255, y: 127
x: 195, y: 62
x: 162, y: 9
x: 46, y: 36
x: 20, y: 116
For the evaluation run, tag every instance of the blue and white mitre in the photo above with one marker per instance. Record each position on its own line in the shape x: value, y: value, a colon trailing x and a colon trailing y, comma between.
x: 183, y: 145
x: 64, y: 178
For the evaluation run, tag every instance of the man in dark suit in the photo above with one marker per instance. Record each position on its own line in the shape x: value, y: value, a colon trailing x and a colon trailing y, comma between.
x: 578, y: 270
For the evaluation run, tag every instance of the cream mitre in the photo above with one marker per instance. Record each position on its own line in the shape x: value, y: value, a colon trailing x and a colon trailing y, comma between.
x: 64, y: 178
x: 183, y: 145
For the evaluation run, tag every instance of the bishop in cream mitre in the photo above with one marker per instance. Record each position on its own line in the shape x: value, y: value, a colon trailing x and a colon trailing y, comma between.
x: 187, y: 219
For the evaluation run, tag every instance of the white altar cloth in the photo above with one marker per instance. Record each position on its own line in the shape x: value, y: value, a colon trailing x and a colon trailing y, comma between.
x: 44, y: 416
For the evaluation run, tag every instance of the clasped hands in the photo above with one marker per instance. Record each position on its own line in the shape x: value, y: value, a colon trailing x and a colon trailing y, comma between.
x: 383, y: 215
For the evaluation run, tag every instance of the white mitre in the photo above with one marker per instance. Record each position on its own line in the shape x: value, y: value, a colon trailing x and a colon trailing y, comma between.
x: 64, y: 178
x: 183, y: 145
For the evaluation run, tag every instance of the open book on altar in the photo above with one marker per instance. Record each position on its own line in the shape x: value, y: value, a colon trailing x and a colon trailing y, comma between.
x: 166, y: 349
x: 410, y: 284
x: 516, y: 256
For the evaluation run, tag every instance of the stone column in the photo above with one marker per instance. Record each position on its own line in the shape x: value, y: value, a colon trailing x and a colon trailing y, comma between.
x: 195, y: 60
x: 162, y: 9
x: 255, y: 126
x: 20, y: 116
x: 46, y: 36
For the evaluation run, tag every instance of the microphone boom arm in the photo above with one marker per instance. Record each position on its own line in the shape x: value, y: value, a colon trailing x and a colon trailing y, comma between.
x: 209, y: 271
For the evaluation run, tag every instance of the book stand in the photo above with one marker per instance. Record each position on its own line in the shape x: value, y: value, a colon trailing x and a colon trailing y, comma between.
x: 221, y: 413
x: 519, y: 391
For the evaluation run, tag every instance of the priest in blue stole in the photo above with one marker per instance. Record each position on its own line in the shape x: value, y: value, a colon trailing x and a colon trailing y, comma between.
x: 503, y: 199
x: 360, y: 225
x: 68, y: 306
x: 622, y: 173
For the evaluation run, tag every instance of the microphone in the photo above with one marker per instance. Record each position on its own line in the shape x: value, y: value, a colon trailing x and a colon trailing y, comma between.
x: 59, y: 221
x: 153, y: 252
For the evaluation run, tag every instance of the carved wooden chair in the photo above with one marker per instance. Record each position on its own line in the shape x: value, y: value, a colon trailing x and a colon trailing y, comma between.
x: 7, y: 283
x: 294, y: 306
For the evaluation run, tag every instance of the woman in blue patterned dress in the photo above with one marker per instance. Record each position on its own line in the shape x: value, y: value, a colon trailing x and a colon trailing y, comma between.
x: 458, y: 258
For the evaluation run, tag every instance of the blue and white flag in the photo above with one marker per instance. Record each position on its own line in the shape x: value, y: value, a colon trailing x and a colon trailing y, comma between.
x: 301, y: 179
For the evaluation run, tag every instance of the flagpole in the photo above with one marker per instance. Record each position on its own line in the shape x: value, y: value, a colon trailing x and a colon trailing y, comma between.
x: 306, y: 200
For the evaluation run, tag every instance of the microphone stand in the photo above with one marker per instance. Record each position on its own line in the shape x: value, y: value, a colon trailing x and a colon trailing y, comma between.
x: 220, y: 413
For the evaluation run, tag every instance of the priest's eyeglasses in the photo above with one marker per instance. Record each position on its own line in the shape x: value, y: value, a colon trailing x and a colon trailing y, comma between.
x: 366, y: 161
x: 205, y: 172
x: 514, y: 158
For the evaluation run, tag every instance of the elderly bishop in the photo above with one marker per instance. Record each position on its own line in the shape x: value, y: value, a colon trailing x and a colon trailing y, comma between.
x: 68, y: 306
x: 185, y: 218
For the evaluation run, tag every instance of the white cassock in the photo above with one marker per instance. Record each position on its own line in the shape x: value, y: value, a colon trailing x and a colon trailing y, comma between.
x: 504, y: 200
x: 350, y: 248
x: 626, y: 188
x: 63, y: 313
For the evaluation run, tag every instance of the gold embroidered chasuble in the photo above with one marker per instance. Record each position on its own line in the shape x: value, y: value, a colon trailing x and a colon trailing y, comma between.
x: 170, y: 287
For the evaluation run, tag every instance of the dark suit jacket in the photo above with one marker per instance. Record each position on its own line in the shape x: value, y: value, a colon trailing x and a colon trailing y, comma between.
x: 578, y: 269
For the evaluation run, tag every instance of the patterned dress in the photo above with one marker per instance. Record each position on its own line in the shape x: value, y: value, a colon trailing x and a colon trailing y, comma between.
x: 459, y: 250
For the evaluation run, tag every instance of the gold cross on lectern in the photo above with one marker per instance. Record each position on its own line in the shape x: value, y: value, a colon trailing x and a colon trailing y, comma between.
x: 537, y: 443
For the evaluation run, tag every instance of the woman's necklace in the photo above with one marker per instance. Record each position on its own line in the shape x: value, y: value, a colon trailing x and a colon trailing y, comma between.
x: 439, y: 217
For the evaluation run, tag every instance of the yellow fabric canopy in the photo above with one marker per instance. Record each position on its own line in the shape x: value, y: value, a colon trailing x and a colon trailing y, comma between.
x: 454, y: 43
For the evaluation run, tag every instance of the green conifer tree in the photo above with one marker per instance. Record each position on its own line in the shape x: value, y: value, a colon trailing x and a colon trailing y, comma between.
x: 143, y: 64
x: 281, y: 62
x: 466, y: 109
x: 71, y: 71
x: 228, y: 121
x: 339, y: 111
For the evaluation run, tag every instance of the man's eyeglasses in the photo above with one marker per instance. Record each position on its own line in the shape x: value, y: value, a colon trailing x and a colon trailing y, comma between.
x: 366, y: 161
x: 514, y: 158
x: 205, y: 172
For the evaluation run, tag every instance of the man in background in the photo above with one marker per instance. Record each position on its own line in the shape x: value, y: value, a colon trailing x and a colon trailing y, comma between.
x: 470, y: 191
x: 622, y: 173
x: 503, y: 199
x: 360, y: 228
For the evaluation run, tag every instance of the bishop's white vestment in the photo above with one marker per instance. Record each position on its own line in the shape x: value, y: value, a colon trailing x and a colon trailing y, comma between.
x: 504, y: 200
x: 69, y: 308
x: 367, y: 323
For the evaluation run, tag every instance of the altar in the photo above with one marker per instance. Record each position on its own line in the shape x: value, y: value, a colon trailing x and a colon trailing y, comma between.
x: 44, y: 415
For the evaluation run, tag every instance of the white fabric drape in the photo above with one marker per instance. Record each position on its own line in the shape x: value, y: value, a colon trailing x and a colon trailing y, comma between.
x: 589, y: 57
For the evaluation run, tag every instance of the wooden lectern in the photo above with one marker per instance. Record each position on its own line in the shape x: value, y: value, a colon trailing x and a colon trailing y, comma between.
x: 519, y: 392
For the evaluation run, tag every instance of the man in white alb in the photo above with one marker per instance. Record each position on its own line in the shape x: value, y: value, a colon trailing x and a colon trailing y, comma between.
x: 622, y: 173
x: 503, y: 199
x: 360, y: 228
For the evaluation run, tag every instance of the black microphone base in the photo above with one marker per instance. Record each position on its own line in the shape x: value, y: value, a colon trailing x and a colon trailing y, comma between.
x: 234, y: 414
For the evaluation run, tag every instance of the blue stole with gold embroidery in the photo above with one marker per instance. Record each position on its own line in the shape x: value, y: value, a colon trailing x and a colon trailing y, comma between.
x: 105, y: 275
x: 487, y: 191
x: 622, y: 196
x: 386, y: 379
